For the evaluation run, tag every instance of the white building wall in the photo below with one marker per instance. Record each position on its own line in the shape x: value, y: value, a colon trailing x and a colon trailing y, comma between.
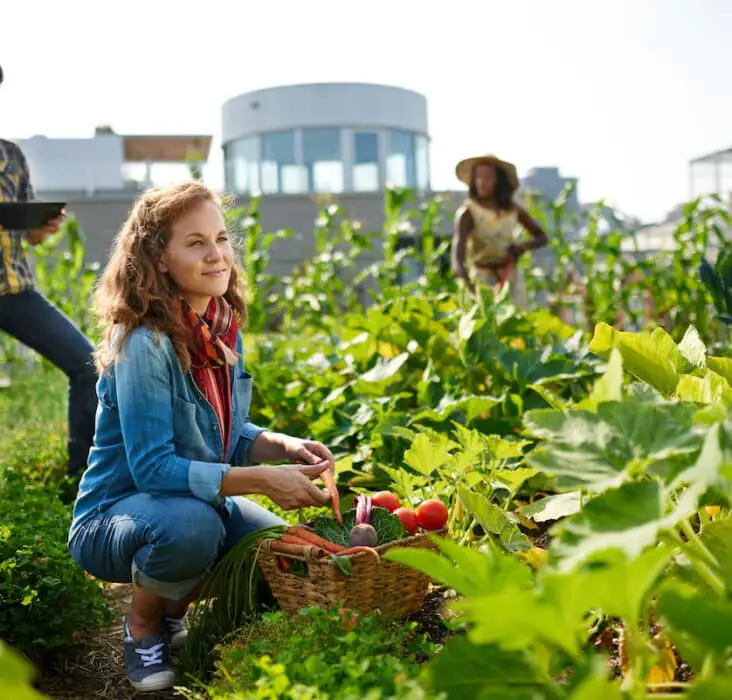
x: 76, y: 165
x: 358, y: 105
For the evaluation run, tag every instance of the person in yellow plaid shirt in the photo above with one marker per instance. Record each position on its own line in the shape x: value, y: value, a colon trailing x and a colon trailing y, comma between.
x: 29, y: 317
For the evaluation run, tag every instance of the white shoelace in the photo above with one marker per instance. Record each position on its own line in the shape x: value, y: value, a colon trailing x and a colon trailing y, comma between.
x: 151, y: 656
x: 176, y: 624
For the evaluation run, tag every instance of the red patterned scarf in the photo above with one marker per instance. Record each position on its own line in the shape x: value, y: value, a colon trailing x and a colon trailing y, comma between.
x: 212, y: 347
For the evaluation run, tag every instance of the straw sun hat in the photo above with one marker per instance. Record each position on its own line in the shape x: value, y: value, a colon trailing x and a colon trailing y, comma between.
x: 464, y: 168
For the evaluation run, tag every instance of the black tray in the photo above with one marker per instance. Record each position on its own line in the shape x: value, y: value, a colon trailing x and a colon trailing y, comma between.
x: 26, y: 216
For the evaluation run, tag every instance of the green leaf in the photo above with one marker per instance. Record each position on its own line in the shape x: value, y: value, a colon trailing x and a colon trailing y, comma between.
x: 379, y: 375
x: 387, y: 525
x: 469, y: 572
x: 437, y: 567
x: 717, y: 538
x: 628, y: 518
x: 693, y: 348
x: 538, y: 367
x: 517, y: 619
x: 486, y: 672
x: 467, y: 324
x: 424, y: 457
x: 707, y: 472
x: 501, y: 448
x: 706, y: 620
x: 472, y: 406
x: 552, y: 507
x: 621, y: 585
x: 716, y: 688
x: 494, y: 520
x: 609, y: 387
x: 705, y: 387
x: 722, y: 366
x: 601, y: 450
x: 514, y: 478
x: 16, y: 676
x: 546, y: 324
x: 343, y: 564
x: 653, y: 358
x: 711, y: 414
x: 597, y: 687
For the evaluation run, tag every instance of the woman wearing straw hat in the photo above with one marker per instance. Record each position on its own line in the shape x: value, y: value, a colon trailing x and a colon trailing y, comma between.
x: 485, y: 249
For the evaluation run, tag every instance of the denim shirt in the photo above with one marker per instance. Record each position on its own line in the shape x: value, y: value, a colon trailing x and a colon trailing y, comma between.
x: 157, y: 434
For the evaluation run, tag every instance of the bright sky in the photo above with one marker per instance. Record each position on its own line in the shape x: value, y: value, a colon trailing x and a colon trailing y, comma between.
x: 619, y: 93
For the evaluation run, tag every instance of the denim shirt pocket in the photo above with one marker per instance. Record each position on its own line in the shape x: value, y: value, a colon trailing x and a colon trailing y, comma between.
x: 186, y: 428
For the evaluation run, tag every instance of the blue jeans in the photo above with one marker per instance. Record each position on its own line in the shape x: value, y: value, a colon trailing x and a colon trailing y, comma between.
x: 163, y: 544
x: 35, y: 322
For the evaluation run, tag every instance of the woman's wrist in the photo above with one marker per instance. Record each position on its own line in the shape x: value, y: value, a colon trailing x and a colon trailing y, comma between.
x: 244, y: 480
x: 267, y: 447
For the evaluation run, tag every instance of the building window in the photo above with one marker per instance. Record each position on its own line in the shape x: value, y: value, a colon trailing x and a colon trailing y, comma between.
x: 423, y: 164
x: 242, y: 171
x: 366, y: 162
x: 321, y: 155
x: 229, y: 167
x: 400, y: 160
x: 280, y: 174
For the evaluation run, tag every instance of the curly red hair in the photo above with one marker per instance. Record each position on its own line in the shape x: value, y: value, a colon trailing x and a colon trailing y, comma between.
x: 133, y: 292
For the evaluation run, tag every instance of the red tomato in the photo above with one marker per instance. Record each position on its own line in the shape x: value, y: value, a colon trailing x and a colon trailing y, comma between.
x: 408, y: 518
x: 432, y: 514
x: 385, y: 499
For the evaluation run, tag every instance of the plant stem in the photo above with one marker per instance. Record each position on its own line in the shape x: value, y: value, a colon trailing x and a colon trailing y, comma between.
x: 702, y: 558
x: 637, y: 654
x: 465, y: 536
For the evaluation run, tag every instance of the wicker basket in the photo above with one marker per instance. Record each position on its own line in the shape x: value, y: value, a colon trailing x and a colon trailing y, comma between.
x: 394, y: 590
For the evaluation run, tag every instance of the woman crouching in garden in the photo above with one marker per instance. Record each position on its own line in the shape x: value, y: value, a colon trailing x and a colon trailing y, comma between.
x: 160, y: 502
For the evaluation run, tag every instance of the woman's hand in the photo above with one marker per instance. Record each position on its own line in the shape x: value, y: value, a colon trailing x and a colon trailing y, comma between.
x: 278, y: 447
x: 290, y: 485
x: 307, y: 451
x: 515, y: 251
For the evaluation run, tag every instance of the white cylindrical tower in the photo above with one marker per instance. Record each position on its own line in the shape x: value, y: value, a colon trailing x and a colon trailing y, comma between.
x: 325, y: 138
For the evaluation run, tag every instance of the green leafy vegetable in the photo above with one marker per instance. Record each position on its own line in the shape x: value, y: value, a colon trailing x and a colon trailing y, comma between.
x: 388, y: 527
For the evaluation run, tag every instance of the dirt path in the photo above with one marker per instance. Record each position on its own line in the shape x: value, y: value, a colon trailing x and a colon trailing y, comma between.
x: 95, y: 671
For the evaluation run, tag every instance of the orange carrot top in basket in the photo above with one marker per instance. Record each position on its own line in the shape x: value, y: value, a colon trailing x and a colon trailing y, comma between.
x: 335, y: 499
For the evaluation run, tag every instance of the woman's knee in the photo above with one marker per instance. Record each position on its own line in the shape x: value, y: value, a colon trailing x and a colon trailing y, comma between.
x: 246, y: 518
x: 184, y: 549
x: 159, y: 544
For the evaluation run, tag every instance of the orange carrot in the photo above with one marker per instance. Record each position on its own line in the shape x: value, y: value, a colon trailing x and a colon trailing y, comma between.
x: 312, y: 538
x: 335, y: 499
x: 293, y: 539
x: 358, y: 550
x: 296, y: 550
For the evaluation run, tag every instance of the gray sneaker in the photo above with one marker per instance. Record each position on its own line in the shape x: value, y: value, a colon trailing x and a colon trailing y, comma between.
x: 148, y: 663
x: 177, y: 630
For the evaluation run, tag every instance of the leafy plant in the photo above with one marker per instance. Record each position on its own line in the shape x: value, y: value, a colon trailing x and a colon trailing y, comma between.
x: 718, y: 280
x: 387, y: 526
x: 320, y: 654
x: 46, y: 600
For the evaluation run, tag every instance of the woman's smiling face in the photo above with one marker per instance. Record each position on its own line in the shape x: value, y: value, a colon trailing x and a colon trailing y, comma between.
x: 199, y: 256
